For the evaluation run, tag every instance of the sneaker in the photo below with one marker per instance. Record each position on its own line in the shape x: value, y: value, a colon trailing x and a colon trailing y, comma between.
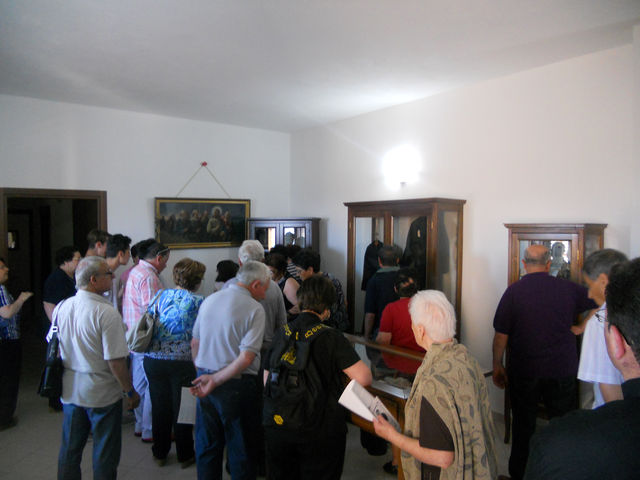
x: 187, y: 463
x: 161, y: 462
x: 147, y: 440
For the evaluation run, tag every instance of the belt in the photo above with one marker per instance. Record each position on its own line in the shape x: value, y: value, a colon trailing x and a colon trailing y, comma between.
x: 236, y: 377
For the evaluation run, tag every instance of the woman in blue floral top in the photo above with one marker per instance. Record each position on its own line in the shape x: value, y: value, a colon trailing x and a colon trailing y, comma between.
x: 168, y: 363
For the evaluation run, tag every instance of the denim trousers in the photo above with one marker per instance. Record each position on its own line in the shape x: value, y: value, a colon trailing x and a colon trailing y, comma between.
x: 141, y: 385
x: 559, y: 396
x: 105, y: 425
x: 228, y: 416
x: 166, y: 379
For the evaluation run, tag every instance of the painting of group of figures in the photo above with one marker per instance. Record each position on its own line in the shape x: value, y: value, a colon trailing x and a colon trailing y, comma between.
x: 201, y: 223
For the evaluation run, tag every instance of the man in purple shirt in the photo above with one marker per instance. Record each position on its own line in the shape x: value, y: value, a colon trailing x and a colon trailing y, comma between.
x: 534, y: 318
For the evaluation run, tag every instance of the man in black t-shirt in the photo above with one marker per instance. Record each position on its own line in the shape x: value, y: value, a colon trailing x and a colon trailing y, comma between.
x: 60, y: 284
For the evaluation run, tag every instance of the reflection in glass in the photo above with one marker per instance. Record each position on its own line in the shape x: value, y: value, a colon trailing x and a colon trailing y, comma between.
x: 368, y: 231
x: 560, y: 260
x: 266, y: 236
x: 412, y: 232
x: 591, y: 244
x: 560, y: 256
x: 295, y: 236
x: 447, y: 252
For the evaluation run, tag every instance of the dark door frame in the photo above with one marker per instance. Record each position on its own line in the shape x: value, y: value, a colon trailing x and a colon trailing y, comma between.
x: 6, y: 193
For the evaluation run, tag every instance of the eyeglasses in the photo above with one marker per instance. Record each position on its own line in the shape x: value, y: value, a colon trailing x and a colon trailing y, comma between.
x: 601, y: 316
x: 163, y: 252
x: 108, y: 272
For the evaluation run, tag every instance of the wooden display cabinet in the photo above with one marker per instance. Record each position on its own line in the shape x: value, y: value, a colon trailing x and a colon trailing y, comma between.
x: 569, y: 243
x: 285, y: 231
x: 428, y: 230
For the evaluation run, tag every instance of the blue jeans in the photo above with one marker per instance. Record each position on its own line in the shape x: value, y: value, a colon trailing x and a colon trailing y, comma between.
x: 105, y: 424
x: 228, y: 415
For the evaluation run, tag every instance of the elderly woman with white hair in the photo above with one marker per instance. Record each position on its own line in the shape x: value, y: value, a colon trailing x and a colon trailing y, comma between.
x: 449, y: 433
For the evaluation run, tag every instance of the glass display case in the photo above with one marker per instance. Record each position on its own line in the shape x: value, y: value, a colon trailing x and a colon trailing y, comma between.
x: 285, y: 231
x: 429, y: 232
x: 569, y: 243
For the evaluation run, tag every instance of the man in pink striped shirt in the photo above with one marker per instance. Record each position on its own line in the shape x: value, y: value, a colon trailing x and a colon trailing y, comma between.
x: 142, y: 285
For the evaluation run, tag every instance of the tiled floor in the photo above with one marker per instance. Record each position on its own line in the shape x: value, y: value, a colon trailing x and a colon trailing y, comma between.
x: 29, y: 450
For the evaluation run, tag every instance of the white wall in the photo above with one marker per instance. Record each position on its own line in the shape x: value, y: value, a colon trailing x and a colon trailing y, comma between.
x: 136, y: 157
x: 553, y: 144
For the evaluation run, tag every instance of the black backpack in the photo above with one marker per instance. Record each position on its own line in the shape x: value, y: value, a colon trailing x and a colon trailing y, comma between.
x: 294, y: 394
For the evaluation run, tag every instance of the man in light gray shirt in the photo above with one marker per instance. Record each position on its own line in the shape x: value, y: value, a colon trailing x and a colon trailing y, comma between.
x: 227, y: 338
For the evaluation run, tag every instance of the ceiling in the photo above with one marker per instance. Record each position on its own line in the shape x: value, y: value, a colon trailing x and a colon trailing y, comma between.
x: 286, y: 64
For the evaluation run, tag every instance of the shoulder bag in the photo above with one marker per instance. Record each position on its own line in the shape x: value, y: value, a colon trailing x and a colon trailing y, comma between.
x: 139, y: 336
x: 51, y: 378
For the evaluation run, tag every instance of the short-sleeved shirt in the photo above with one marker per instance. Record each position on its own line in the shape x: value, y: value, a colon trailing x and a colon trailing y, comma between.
x: 142, y: 285
x: 434, y: 434
x: 380, y: 292
x: 595, y: 364
x: 397, y: 321
x: 176, y: 311
x: 274, y: 309
x: 331, y: 353
x: 58, y: 286
x: 9, y: 327
x: 90, y: 332
x: 537, y: 313
x: 229, y: 321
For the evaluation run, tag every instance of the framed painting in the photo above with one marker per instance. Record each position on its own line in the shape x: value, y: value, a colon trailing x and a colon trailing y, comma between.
x: 201, y: 222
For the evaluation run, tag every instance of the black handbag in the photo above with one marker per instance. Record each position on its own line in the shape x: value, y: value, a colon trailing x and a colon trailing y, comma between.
x: 51, y: 378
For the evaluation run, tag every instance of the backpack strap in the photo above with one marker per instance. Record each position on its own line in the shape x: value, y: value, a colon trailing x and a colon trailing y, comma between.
x: 299, y: 341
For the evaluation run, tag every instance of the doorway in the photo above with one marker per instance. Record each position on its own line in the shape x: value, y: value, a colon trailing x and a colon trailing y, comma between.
x: 34, y: 223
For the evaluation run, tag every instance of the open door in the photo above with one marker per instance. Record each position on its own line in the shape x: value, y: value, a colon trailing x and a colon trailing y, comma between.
x: 34, y: 223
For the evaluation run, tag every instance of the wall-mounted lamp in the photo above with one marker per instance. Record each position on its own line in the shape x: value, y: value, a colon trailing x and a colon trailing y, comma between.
x: 401, y: 165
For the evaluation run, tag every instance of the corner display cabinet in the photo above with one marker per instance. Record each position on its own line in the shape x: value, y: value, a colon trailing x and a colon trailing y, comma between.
x: 285, y: 231
x: 569, y: 243
x: 429, y: 232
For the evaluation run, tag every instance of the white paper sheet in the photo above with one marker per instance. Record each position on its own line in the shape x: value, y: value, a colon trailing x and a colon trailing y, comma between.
x: 357, y: 399
x: 187, y: 413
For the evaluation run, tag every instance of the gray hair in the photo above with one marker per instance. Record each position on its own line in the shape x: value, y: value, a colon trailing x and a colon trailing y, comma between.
x: 601, y: 262
x: 251, y: 250
x: 251, y: 271
x: 432, y: 310
x: 87, y: 268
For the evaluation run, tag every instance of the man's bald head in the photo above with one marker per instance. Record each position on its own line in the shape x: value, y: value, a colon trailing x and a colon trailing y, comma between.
x: 536, y: 258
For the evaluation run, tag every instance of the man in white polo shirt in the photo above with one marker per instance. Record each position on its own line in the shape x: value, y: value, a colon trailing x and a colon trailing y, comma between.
x: 94, y: 353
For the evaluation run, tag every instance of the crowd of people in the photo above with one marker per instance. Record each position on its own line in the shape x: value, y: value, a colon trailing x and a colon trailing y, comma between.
x: 275, y: 325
